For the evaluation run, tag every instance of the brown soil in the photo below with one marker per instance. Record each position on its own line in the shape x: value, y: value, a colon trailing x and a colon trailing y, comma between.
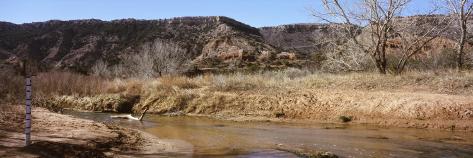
x: 56, y: 135
x: 382, y: 108
x: 413, y: 100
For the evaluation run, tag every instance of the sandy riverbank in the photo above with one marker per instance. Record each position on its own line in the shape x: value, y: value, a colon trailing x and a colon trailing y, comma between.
x: 406, y: 109
x: 57, y: 135
x: 434, y: 100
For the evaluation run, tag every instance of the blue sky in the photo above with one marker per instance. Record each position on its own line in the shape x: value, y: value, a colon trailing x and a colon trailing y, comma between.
x: 253, y: 12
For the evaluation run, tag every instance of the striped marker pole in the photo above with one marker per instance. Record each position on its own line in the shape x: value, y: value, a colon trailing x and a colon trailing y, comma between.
x: 28, y: 111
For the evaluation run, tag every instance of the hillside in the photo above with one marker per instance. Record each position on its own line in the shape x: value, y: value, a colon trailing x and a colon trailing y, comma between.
x: 131, y: 47
x: 202, y: 42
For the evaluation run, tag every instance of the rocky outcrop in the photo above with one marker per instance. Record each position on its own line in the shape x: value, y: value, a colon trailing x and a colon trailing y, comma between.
x: 185, y: 44
x: 308, y: 40
x: 78, y: 44
x: 420, y: 24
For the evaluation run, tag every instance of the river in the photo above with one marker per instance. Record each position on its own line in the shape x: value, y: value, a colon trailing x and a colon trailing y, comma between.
x: 218, y: 138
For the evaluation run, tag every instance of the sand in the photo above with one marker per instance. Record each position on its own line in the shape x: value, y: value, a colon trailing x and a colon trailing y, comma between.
x: 57, y: 135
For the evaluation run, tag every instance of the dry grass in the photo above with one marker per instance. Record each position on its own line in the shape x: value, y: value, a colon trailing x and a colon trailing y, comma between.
x: 433, y: 82
x: 290, y: 93
x: 11, y: 87
x: 66, y: 83
x: 178, y: 81
x: 70, y: 84
x: 125, y: 86
x: 287, y: 80
x: 12, y: 117
x: 422, y: 99
x: 48, y: 84
x: 429, y: 82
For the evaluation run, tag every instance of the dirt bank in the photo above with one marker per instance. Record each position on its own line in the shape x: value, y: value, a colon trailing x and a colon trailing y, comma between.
x: 440, y: 101
x: 384, y: 108
x: 56, y: 135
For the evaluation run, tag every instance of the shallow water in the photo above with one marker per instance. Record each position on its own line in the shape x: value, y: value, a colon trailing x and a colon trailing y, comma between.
x: 211, y: 137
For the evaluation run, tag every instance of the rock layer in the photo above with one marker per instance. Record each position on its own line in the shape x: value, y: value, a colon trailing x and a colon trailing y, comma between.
x: 78, y: 44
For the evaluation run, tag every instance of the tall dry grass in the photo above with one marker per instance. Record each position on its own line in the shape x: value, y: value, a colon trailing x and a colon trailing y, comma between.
x: 176, y: 91
x: 12, y: 117
x: 66, y: 83
x: 12, y: 85
x: 448, y: 82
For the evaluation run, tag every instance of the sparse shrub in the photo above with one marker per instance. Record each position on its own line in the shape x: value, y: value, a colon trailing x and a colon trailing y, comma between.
x: 346, y: 119
x: 279, y: 114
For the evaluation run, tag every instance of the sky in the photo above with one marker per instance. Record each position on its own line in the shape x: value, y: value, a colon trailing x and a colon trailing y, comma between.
x: 257, y: 13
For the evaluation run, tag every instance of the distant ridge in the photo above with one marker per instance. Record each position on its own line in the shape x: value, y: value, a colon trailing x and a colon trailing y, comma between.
x: 196, y: 43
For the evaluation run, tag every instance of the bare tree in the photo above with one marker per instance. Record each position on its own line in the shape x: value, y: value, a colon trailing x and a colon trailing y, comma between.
x: 153, y: 59
x: 414, y: 34
x: 158, y: 58
x: 374, y: 16
x: 342, y: 55
x: 167, y: 57
x: 336, y: 53
x: 461, y: 10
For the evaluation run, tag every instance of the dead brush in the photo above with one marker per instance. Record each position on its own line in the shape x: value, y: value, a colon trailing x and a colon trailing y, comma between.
x: 66, y: 83
x: 182, y: 82
x: 126, y: 86
x: 48, y: 84
x: 236, y: 82
x: 11, y: 87
x: 12, y: 116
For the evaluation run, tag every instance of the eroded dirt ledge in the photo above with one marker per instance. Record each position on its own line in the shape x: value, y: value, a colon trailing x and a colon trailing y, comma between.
x: 57, y: 135
x: 383, y: 108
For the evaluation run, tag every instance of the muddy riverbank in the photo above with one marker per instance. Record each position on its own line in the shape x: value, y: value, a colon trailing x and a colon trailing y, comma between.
x: 414, y: 100
x: 383, y: 108
x: 57, y: 135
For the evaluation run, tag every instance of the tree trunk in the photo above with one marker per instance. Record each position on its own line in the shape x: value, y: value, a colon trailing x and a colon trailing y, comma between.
x: 381, y: 53
x: 461, y: 44
x: 460, y: 51
x: 381, y: 66
x: 401, y: 65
